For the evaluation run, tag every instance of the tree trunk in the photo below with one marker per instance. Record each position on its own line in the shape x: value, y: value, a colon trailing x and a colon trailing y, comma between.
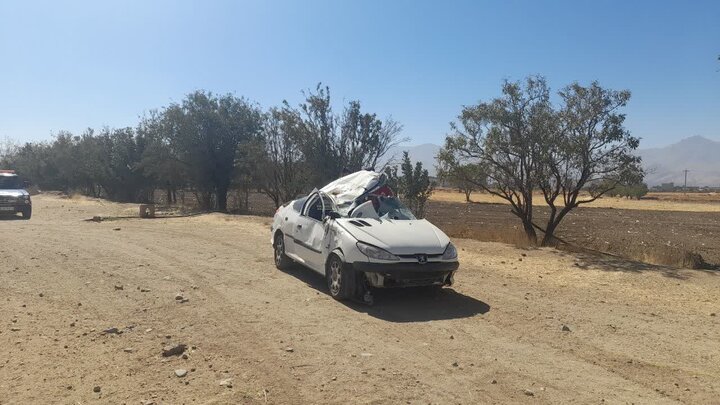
x: 221, y: 196
x: 467, y: 195
x: 549, y: 238
x: 530, y: 231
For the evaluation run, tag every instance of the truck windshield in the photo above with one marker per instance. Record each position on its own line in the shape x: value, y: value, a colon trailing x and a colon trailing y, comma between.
x: 10, y: 183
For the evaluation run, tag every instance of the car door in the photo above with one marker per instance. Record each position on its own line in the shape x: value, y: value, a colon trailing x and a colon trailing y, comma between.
x: 309, y: 232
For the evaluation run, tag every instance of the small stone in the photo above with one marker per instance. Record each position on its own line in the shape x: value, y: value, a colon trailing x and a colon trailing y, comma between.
x: 227, y: 383
x: 114, y: 331
x: 181, y: 372
x: 96, y: 388
x: 712, y: 314
x: 365, y: 354
x: 178, y: 297
x: 41, y: 295
x: 452, y: 337
x: 119, y: 287
x: 565, y: 328
x: 529, y: 393
x: 493, y: 382
x: 116, y: 229
x: 144, y: 290
x: 174, y: 350
x: 455, y: 364
x: 289, y: 349
x: 184, y: 300
x: 185, y: 356
x: 72, y: 324
x: 15, y: 329
x: 128, y: 350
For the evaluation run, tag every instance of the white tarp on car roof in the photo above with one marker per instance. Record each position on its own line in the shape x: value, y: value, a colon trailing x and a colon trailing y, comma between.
x: 346, y: 189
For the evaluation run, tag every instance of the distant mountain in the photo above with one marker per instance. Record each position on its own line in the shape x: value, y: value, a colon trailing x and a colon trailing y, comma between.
x: 701, y: 156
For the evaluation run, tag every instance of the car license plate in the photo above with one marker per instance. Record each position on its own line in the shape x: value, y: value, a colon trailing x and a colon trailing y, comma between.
x: 7, y: 208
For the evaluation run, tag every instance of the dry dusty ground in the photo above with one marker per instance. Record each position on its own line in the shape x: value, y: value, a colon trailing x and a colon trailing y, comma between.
x: 638, y: 333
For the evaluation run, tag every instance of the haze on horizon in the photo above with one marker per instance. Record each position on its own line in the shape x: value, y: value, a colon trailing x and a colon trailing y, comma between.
x: 79, y: 64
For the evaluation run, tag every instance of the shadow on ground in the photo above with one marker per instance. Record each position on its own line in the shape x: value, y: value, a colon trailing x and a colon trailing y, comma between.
x: 598, y: 260
x: 404, y: 304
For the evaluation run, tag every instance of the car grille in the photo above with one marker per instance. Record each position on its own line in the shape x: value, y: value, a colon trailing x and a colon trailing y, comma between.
x: 7, y: 200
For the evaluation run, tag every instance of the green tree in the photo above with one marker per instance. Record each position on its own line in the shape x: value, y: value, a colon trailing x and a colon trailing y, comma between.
x: 588, y: 150
x: 411, y: 183
x: 284, y: 174
x: 506, y: 135
x: 566, y: 153
x: 332, y: 144
x: 467, y: 177
x: 205, y: 133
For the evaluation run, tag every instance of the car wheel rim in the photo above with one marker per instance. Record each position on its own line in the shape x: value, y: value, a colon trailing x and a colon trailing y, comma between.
x: 335, y: 268
x: 278, y: 250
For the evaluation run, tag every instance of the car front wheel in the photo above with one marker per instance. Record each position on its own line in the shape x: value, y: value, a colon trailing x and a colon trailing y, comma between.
x: 27, y: 213
x: 339, y: 279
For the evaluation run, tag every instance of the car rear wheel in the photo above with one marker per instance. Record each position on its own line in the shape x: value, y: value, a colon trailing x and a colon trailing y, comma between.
x: 27, y: 213
x: 339, y: 279
x: 282, y: 262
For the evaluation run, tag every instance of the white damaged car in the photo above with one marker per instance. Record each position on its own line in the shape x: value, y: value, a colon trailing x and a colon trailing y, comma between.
x: 357, y: 234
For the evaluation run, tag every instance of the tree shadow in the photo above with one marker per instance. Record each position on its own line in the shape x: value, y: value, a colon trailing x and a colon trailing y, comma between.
x: 606, y: 262
x: 400, y: 305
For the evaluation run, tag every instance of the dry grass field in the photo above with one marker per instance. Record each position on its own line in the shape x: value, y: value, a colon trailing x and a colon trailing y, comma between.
x: 88, y: 308
x: 692, y: 202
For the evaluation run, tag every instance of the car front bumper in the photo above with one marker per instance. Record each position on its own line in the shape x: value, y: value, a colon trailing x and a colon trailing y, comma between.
x: 407, y: 274
x: 13, y: 208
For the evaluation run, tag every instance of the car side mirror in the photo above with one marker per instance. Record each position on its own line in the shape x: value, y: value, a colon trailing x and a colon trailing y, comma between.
x: 332, y: 215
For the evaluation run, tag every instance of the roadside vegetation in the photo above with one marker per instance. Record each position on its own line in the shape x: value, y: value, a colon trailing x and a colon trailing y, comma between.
x: 515, y: 147
x: 209, y: 145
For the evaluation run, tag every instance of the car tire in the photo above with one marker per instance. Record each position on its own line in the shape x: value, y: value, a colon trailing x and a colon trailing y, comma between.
x: 27, y: 213
x: 340, y: 280
x: 282, y: 262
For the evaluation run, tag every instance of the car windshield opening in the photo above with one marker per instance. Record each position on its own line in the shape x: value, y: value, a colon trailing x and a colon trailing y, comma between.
x: 389, y: 207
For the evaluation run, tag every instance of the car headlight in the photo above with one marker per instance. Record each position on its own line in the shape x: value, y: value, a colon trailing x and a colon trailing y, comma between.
x: 450, y: 252
x: 375, y: 252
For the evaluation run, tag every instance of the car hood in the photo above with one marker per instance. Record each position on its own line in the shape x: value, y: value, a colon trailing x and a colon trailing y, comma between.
x: 13, y: 193
x: 346, y: 189
x: 399, y: 237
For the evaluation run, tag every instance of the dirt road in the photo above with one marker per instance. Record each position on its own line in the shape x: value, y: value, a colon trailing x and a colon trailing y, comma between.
x: 637, y: 333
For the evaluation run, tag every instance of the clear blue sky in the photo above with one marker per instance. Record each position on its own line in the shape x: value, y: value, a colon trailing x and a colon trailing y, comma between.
x: 77, y: 64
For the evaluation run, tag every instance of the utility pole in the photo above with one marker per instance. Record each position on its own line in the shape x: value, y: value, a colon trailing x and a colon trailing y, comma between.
x: 685, y: 185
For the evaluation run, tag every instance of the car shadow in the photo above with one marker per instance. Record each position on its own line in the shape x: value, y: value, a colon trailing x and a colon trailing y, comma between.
x: 400, y: 305
x: 10, y: 217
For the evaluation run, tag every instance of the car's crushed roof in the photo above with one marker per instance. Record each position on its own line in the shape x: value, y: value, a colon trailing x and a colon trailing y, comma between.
x: 346, y: 190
